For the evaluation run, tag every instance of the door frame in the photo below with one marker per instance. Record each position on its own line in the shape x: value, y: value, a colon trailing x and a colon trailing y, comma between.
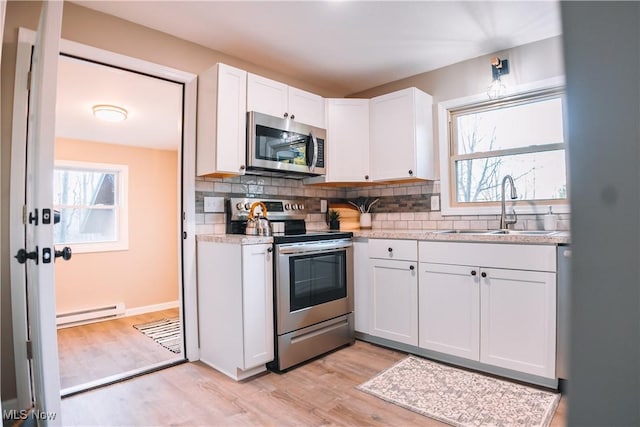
x: 3, y: 8
x: 186, y: 166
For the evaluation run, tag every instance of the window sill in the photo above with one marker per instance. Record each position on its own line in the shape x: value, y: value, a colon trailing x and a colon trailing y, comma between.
x: 495, y: 210
x: 85, y: 248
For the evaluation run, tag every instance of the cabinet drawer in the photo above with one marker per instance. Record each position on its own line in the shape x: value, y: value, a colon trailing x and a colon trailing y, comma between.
x: 393, y: 249
x: 498, y: 255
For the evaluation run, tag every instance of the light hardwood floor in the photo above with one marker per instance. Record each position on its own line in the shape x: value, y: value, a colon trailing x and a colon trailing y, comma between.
x: 321, y: 392
x: 98, y: 350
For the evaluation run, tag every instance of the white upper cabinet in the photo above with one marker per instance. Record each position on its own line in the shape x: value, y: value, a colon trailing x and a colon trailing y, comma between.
x: 347, y: 140
x: 402, y: 136
x: 222, y: 107
x: 279, y: 100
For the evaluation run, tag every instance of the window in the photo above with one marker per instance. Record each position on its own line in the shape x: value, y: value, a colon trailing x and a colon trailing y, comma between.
x: 92, y: 201
x: 522, y: 137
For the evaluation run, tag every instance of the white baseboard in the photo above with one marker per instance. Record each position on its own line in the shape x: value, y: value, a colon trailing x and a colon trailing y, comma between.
x: 151, y: 308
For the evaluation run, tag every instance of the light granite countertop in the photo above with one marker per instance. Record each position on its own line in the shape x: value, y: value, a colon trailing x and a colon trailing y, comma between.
x: 557, y: 238
x: 234, y: 238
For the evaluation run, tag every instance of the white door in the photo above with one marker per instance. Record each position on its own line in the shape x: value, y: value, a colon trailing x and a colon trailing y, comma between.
x: 394, y: 296
x: 449, y: 307
x: 257, y: 304
x: 38, y: 245
x: 518, y: 320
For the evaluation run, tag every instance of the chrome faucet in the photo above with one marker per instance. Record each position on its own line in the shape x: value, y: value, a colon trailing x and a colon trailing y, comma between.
x: 504, y: 222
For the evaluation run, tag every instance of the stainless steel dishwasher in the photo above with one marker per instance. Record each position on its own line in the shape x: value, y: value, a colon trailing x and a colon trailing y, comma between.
x: 563, y: 307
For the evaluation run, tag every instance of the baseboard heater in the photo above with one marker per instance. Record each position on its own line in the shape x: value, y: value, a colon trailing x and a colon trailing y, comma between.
x: 90, y: 315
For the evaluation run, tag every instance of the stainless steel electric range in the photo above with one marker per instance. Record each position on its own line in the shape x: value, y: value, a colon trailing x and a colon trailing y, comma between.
x: 313, y: 282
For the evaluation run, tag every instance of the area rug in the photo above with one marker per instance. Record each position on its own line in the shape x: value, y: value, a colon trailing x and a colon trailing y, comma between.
x: 461, y: 398
x: 165, y: 332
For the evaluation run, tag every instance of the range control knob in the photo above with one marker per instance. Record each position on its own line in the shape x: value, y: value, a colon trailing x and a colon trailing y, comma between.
x: 247, y: 206
x: 301, y: 206
x: 294, y: 206
x: 239, y: 206
x: 287, y: 206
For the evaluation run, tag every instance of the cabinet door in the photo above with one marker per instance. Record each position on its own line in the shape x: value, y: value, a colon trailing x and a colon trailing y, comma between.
x: 362, y: 286
x: 348, y: 140
x: 449, y: 306
x: 257, y: 304
x: 518, y: 320
x: 394, y: 300
x: 402, y: 136
x: 392, y: 136
x: 266, y: 96
x: 306, y: 107
x: 222, y: 107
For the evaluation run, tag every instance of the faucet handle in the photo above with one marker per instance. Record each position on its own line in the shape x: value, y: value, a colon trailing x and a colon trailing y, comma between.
x: 515, y: 217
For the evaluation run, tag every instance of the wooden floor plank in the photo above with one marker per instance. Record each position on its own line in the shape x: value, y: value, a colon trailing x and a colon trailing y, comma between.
x: 99, y: 350
x: 319, y: 393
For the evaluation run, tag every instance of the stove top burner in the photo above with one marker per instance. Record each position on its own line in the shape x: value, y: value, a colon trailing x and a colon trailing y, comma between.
x: 315, y: 235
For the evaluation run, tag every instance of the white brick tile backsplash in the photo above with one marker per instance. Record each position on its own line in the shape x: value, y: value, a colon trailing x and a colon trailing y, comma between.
x: 445, y: 225
x: 206, y: 186
x: 275, y: 187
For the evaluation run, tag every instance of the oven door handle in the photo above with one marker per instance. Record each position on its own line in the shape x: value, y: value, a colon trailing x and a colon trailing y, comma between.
x: 313, y: 248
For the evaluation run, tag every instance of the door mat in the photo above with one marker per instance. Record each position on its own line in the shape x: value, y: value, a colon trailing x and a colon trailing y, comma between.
x: 165, y: 332
x: 461, y: 398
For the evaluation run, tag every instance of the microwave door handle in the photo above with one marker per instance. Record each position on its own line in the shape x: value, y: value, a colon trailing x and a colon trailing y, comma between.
x: 314, y: 162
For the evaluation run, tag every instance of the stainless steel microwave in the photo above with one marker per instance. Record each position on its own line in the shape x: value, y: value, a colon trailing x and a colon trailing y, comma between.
x: 284, y: 145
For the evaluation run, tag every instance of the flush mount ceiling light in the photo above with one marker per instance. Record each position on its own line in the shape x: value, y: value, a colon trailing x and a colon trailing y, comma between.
x: 499, y: 67
x: 109, y: 113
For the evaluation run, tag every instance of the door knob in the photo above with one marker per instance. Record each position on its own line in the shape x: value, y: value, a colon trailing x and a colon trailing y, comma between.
x: 22, y: 256
x: 65, y: 253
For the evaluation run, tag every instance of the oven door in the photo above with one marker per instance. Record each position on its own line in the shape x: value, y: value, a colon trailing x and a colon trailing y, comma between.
x: 314, y: 283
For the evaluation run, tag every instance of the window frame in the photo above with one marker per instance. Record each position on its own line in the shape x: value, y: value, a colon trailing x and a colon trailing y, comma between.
x: 121, y: 205
x: 517, y: 95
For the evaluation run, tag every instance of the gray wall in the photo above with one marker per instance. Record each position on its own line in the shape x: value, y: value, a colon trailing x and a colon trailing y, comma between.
x: 602, y: 53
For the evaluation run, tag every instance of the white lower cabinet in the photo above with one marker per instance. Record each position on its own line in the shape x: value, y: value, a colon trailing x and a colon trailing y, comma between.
x: 394, y: 291
x: 450, y: 309
x: 498, y: 316
x: 235, y: 307
x: 518, y: 320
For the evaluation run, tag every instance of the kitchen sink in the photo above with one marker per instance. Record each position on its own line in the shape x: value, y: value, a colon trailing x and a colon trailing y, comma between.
x: 466, y: 232
x: 499, y: 232
x: 524, y: 232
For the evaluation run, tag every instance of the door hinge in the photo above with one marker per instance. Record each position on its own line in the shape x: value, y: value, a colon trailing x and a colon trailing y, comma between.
x: 29, y: 349
x: 29, y: 74
x: 33, y: 217
x: 24, y: 214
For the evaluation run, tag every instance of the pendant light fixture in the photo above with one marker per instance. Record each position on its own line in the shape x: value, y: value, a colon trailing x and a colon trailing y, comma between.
x: 499, y: 67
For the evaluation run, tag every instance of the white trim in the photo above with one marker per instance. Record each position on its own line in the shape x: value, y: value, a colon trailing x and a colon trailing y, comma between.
x: 3, y: 8
x: 26, y: 38
x: 151, y: 308
x: 443, y: 144
x: 122, y: 242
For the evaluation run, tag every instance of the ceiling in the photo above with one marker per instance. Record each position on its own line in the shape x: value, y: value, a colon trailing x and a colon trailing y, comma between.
x: 342, y: 46
x: 154, y: 106
x: 347, y: 46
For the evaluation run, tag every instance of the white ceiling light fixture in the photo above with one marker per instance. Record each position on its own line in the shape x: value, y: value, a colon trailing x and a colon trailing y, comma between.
x: 109, y: 113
